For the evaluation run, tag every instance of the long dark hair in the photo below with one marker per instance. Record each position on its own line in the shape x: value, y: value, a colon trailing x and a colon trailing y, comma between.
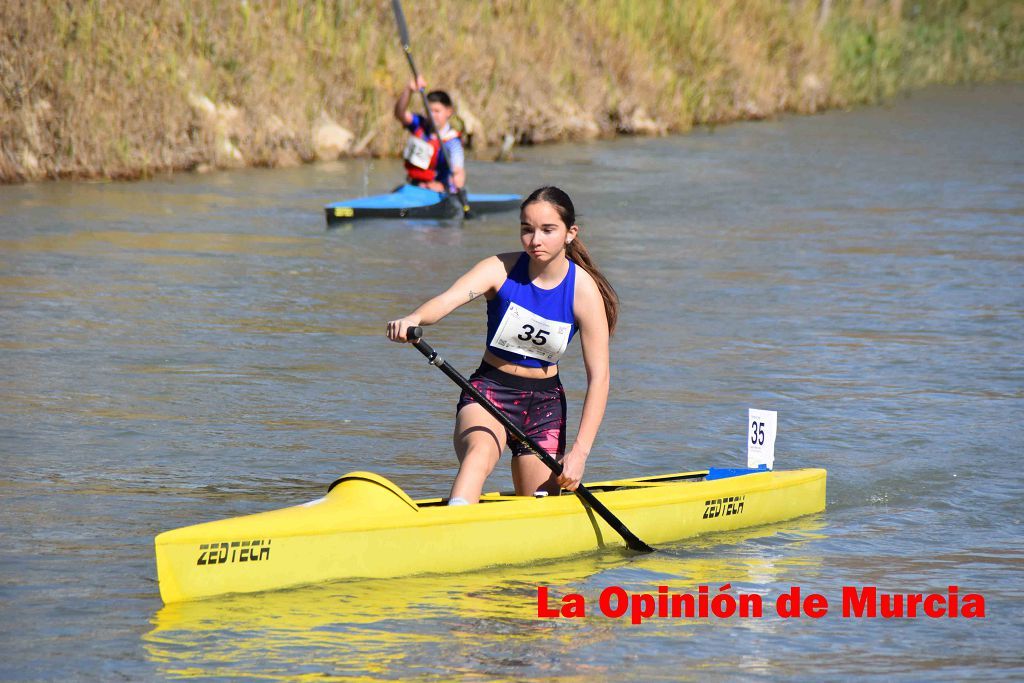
x: 576, y: 251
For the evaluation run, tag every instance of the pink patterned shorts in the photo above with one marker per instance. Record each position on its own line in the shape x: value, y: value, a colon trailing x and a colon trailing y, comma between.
x: 535, y: 406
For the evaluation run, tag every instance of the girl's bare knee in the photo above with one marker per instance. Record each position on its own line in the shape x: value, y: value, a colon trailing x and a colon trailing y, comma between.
x: 479, y: 458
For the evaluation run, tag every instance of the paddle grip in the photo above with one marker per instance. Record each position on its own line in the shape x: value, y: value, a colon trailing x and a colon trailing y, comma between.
x: 415, y: 335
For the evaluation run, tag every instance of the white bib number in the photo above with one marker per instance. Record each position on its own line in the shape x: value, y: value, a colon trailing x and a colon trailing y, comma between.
x: 418, y: 152
x: 761, y: 437
x: 524, y: 332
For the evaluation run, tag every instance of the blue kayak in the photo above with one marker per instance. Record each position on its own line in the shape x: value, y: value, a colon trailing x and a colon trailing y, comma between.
x: 409, y: 201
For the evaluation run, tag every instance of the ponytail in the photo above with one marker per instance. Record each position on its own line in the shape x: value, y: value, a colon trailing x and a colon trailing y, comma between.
x: 578, y: 254
x: 575, y: 250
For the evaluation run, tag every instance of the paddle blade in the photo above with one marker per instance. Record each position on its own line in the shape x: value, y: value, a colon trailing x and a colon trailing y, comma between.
x: 467, y: 212
x: 631, y: 539
x: 403, y: 30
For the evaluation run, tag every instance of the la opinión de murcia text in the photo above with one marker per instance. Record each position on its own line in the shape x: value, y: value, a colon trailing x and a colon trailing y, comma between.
x: 856, y: 602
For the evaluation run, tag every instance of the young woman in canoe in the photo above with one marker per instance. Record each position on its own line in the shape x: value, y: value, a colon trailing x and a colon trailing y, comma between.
x: 425, y: 165
x: 537, y: 299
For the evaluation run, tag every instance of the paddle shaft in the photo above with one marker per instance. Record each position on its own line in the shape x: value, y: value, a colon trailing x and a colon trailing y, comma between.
x: 415, y: 335
x: 403, y: 32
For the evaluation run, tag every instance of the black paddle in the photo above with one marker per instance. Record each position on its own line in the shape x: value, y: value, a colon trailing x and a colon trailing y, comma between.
x: 415, y: 335
x: 403, y: 33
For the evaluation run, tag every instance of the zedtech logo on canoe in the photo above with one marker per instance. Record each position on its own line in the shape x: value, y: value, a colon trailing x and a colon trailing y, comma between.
x: 723, y: 507
x: 233, y: 551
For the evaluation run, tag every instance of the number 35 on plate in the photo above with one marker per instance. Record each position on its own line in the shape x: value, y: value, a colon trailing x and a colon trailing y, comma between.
x: 761, y: 437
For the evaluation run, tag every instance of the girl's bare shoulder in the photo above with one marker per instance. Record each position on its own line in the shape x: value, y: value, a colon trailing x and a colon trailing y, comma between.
x: 508, y: 259
x: 493, y: 270
x: 585, y: 283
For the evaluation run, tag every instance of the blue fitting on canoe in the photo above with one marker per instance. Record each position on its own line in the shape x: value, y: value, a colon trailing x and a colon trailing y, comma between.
x: 726, y: 472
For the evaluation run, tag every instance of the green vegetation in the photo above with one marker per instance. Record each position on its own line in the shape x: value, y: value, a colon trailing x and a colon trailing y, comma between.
x: 119, y: 89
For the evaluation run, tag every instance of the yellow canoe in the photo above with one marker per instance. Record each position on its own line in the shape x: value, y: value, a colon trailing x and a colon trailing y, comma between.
x: 367, y: 527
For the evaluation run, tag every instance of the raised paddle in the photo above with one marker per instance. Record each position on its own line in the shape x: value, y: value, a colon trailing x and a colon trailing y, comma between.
x: 415, y: 335
x: 403, y: 33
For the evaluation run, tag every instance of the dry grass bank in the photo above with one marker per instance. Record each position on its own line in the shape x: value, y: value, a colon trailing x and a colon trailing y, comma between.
x: 123, y: 89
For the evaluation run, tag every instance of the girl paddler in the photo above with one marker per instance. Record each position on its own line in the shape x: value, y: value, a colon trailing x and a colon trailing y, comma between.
x: 425, y: 164
x: 537, y: 300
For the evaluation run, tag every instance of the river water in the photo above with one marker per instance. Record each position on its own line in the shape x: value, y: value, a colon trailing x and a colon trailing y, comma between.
x: 199, y: 346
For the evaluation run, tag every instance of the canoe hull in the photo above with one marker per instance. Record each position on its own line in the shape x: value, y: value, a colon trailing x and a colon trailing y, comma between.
x: 367, y: 528
x: 409, y: 201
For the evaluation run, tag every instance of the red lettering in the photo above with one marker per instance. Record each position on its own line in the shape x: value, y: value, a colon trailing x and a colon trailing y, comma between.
x: 750, y: 605
x: 859, y: 604
x: 891, y: 606
x: 543, y: 611
x: 914, y: 600
x: 815, y: 605
x: 702, y: 602
x: 788, y: 604
x: 974, y: 606
x: 574, y: 606
x: 683, y: 605
x: 935, y: 606
x: 621, y: 602
x: 724, y: 605
x: 642, y: 607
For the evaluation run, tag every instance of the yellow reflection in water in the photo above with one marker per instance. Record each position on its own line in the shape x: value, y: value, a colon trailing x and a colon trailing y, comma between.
x: 393, y: 627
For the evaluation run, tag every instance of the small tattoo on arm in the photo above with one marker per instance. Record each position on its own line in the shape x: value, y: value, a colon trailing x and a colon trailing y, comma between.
x: 473, y: 295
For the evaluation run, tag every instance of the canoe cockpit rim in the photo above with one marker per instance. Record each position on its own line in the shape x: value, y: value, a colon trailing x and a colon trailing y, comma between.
x: 377, y: 479
x: 387, y: 486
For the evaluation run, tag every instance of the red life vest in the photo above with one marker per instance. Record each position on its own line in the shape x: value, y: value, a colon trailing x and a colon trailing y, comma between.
x: 426, y: 175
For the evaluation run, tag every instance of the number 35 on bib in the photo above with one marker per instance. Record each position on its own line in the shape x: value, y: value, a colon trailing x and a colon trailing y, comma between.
x: 524, y: 332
